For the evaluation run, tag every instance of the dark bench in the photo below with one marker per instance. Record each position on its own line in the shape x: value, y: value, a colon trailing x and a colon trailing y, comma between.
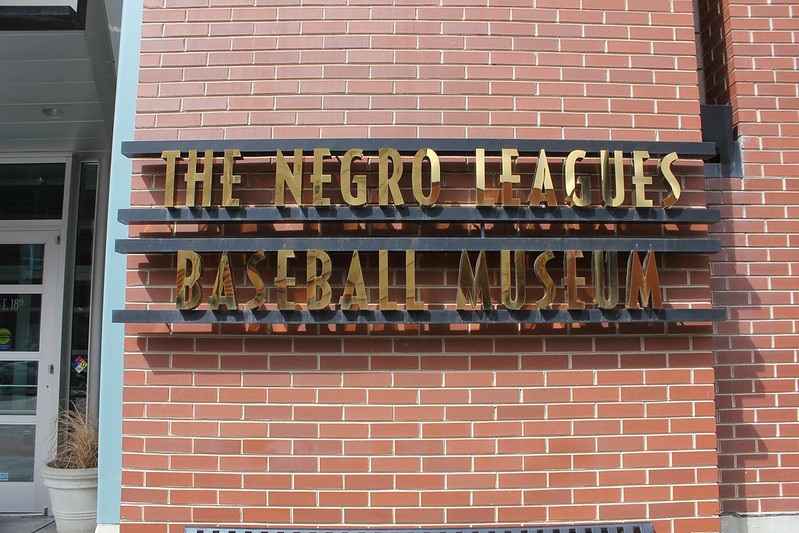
x: 636, y: 527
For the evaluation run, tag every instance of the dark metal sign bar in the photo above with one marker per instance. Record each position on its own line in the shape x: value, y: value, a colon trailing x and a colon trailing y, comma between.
x: 499, y: 316
x: 442, y: 244
x: 588, y: 215
x: 255, y: 147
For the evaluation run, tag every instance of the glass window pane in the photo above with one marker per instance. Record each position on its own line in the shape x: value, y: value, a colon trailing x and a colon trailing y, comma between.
x: 20, y: 315
x: 18, y: 381
x: 82, y: 288
x: 16, y: 452
x: 21, y: 264
x: 32, y: 191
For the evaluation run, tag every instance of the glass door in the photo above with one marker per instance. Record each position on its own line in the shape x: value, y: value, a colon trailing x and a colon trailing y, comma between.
x: 30, y: 341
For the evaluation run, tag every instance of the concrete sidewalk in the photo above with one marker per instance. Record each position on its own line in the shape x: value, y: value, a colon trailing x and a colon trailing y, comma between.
x: 27, y: 524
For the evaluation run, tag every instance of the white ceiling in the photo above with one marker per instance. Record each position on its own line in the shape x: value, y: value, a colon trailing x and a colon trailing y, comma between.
x: 72, y: 70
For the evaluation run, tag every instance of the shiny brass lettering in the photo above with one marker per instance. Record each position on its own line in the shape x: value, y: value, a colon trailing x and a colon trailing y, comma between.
x: 473, y: 283
x: 223, y: 293
x: 480, y: 178
x: 606, y: 278
x: 435, y: 177
x: 583, y: 198
x: 611, y: 199
x: 288, y: 174
x: 229, y: 179
x: 639, y: 180
x: 318, y: 271
x: 540, y: 269
x: 517, y: 301
x: 257, y: 301
x: 598, y: 286
x: 389, y: 187
x: 571, y: 280
x: 383, y: 283
x: 319, y: 178
x: 189, y: 290
x: 284, y: 175
x: 411, y: 303
x: 543, y: 189
x: 354, y: 288
x: 193, y: 177
x: 670, y: 179
x: 643, y: 283
x: 347, y: 179
x: 171, y: 157
x: 473, y: 288
x: 508, y: 178
x: 282, y: 281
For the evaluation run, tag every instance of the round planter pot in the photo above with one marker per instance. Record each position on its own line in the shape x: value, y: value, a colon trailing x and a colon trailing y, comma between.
x: 73, y: 498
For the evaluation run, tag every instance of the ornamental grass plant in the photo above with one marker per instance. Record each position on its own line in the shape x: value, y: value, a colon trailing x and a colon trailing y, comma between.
x: 76, y: 440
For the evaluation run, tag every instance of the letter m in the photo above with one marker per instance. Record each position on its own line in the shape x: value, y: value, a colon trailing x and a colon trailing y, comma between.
x: 642, y: 282
x: 472, y: 286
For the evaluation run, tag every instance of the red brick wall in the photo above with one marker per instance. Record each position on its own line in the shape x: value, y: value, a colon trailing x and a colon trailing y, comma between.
x: 595, y: 69
x: 419, y: 430
x: 755, y: 275
x: 446, y: 426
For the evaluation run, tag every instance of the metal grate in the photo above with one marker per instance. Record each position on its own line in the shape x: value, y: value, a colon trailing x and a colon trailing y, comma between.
x: 639, y: 527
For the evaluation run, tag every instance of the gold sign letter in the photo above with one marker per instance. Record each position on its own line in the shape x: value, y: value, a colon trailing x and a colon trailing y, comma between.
x: 190, y: 268
x: 282, y: 281
x: 540, y: 267
x: 228, y: 179
x: 224, y: 293
x: 543, y: 189
x: 435, y: 177
x: 612, y: 200
x: 193, y: 178
x: 171, y: 157
x: 517, y: 302
x: 318, y: 178
x: 390, y: 186
x: 354, y: 288
x: 383, y: 282
x: 606, y: 286
x: 643, y: 282
x: 347, y: 179
x: 318, y: 287
x: 639, y: 180
x: 480, y: 177
x: 584, y: 197
x: 411, y: 303
x: 471, y: 285
x: 291, y: 176
x: 671, y: 180
x: 257, y: 281
x: 571, y: 280
x: 508, y: 178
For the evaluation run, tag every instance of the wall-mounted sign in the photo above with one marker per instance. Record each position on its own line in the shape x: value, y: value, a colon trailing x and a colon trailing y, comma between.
x: 428, y: 231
